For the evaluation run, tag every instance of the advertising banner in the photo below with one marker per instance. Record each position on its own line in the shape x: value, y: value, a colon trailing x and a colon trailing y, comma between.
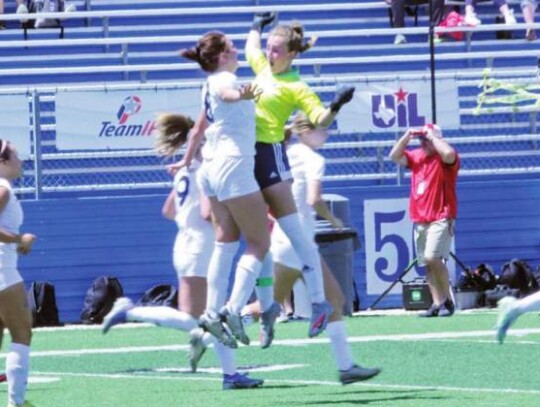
x: 390, y: 245
x: 15, y: 123
x: 398, y: 105
x: 112, y: 120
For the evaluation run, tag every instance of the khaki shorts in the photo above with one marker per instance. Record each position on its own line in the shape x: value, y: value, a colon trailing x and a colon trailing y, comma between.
x: 433, y: 240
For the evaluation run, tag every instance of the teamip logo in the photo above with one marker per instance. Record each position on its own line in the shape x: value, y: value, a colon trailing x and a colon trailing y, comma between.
x: 127, y: 124
x: 399, y: 109
x: 130, y: 107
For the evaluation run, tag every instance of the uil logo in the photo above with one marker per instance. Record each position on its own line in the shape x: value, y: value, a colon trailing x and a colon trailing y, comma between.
x: 399, y: 109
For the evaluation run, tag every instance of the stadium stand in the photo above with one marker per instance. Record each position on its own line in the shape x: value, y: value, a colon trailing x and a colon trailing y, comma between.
x: 138, y: 42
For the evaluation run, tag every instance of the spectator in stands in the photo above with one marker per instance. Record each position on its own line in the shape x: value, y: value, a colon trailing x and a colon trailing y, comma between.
x: 2, y: 24
x: 23, y: 8
x: 432, y: 207
x: 190, y: 209
x: 307, y: 167
x: 472, y: 20
x: 399, y: 7
x: 44, y: 6
x: 510, y: 309
x: 283, y: 93
x: 14, y: 311
x: 528, y: 7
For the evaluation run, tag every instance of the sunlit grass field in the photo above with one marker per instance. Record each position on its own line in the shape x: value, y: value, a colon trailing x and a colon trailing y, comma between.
x: 452, y: 362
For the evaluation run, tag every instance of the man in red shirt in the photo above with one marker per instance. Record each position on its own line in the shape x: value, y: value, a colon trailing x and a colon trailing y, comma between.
x: 432, y: 207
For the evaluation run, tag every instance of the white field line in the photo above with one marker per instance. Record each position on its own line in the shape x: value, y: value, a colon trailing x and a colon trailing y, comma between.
x: 364, y: 313
x: 292, y: 342
x: 300, y: 382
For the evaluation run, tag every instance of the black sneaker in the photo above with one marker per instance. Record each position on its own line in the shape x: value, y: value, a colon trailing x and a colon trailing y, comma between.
x: 433, y: 311
x: 447, y: 309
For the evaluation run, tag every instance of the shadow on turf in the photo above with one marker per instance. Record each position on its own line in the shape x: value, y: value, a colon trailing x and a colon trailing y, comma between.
x: 189, y: 373
x: 153, y: 370
x: 403, y: 396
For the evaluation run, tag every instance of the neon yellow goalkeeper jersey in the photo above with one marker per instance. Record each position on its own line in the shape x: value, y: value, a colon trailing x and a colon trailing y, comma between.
x: 282, y: 95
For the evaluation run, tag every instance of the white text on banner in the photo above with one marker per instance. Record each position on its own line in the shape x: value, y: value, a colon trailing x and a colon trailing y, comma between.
x: 112, y: 120
x: 397, y: 105
x: 388, y: 231
x: 15, y: 123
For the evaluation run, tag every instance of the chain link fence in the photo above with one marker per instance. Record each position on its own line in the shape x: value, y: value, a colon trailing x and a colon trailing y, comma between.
x: 496, y: 136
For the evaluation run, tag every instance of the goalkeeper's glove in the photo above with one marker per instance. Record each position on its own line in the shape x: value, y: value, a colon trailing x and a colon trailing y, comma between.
x: 342, y: 97
x: 262, y: 20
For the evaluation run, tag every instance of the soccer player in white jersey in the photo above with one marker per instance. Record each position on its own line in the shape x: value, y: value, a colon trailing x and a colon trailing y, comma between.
x: 307, y: 168
x: 510, y: 309
x: 191, y: 257
x: 227, y: 178
x: 14, y: 311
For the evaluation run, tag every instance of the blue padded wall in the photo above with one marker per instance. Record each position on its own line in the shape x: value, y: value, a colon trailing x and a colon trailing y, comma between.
x: 80, y: 239
x: 497, y: 221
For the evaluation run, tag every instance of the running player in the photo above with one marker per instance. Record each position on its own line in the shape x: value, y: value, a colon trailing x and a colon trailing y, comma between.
x: 194, y: 241
x: 14, y: 311
x: 510, y: 309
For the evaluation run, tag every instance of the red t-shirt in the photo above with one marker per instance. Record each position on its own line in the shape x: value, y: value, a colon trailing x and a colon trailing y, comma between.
x: 433, y: 186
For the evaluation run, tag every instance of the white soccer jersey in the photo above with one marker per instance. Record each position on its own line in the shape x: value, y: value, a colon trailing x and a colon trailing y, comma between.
x: 195, y: 235
x: 11, y: 219
x: 231, y: 130
x: 306, y: 165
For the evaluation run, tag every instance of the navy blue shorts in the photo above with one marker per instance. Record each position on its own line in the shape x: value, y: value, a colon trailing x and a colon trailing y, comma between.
x: 271, y: 164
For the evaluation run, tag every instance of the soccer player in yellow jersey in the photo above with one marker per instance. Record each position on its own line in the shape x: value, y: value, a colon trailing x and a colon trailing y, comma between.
x: 283, y: 92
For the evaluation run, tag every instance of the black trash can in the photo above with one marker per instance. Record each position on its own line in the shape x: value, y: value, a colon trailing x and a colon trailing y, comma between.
x: 337, y: 246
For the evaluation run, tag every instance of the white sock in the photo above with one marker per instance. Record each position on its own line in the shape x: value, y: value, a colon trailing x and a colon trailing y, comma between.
x: 163, y: 316
x: 264, y: 286
x: 302, y: 302
x: 529, y: 303
x: 226, y: 358
x: 247, y: 271
x: 17, y: 366
x: 308, y: 253
x: 219, y: 271
x: 208, y: 339
x: 337, y: 333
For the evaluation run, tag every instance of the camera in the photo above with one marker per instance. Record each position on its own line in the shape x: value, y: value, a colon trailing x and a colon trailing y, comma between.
x: 418, y: 133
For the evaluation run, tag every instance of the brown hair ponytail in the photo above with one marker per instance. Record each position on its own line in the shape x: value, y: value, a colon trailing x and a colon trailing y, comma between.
x: 294, y: 34
x: 206, y: 52
x: 172, y: 133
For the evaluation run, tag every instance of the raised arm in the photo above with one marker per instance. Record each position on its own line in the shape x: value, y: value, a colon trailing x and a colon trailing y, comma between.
x: 396, y: 154
x: 310, y: 103
x: 441, y: 146
x: 194, y: 140
x: 254, y: 37
x: 342, y: 97
x: 246, y: 92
